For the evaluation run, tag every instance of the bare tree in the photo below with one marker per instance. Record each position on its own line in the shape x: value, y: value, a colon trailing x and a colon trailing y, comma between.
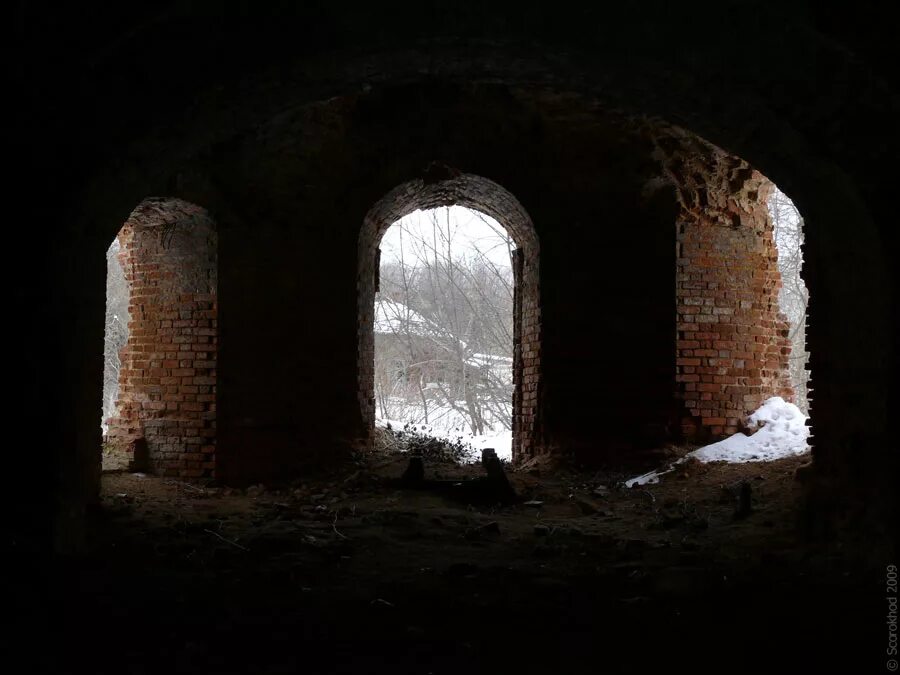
x: 451, y: 311
x: 793, y: 297
x: 116, y: 330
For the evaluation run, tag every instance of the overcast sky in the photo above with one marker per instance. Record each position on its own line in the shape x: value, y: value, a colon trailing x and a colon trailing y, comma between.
x: 468, y: 231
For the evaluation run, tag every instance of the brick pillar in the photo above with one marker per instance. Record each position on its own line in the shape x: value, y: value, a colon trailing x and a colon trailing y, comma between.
x: 732, y: 350
x: 167, y: 381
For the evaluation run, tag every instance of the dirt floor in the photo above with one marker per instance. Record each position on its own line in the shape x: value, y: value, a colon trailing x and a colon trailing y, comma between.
x: 349, y: 573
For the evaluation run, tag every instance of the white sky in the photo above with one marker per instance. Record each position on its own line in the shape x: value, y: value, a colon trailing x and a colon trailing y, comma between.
x: 468, y: 232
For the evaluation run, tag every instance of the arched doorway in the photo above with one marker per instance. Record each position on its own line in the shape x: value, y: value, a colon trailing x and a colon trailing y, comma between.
x: 447, y: 189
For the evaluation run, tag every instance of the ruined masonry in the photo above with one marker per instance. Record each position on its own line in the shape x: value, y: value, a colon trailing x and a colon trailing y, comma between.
x: 167, y: 381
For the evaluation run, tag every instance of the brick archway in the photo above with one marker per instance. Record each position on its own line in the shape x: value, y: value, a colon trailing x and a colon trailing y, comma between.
x: 483, y: 195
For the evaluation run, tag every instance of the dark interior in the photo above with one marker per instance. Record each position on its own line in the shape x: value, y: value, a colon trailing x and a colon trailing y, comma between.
x: 288, y: 122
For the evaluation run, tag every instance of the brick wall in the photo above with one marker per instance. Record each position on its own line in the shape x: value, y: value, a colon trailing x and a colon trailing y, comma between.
x: 732, y: 350
x: 596, y: 358
x: 167, y: 381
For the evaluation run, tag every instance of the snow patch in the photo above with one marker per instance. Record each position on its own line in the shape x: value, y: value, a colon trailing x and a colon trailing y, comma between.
x: 396, y: 318
x: 779, y: 430
x: 651, y: 476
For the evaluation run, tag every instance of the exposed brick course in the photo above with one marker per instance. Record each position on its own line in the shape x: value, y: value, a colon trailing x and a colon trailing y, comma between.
x: 167, y: 382
x: 732, y: 348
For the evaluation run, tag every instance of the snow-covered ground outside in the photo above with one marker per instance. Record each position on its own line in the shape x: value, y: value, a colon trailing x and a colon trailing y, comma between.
x: 448, y: 424
x: 779, y: 430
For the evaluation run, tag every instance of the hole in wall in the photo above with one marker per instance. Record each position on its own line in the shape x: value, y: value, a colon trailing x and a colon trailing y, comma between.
x: 481, y: 202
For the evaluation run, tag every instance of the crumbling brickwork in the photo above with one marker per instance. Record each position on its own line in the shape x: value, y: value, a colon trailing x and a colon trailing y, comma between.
x: 167, y: 382
x: 595, y: 363
x: 732, y: 350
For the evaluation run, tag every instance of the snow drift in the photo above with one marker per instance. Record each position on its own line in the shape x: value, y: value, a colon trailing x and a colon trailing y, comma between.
x: 778, y: 430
